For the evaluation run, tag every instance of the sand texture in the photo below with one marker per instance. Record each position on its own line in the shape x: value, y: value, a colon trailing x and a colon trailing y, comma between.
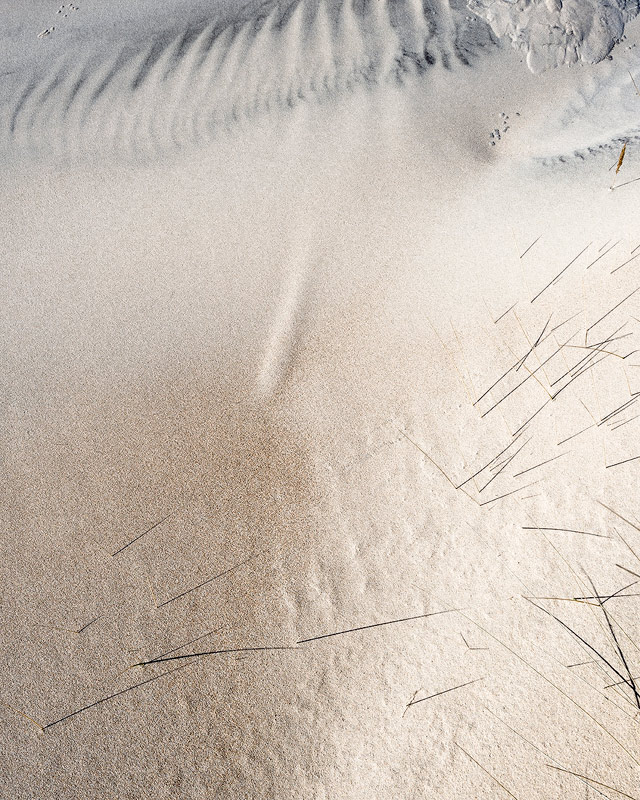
x: 321, y: 401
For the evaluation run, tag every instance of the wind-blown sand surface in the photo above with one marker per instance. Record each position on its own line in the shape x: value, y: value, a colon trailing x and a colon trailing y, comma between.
x: 318, y: 317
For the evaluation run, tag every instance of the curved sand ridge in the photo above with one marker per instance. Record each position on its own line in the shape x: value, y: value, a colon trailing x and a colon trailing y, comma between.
x: 187, y: 82
x: 185, y: 87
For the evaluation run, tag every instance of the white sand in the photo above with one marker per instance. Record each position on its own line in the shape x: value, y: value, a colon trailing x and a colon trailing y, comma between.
x: 250, y: 295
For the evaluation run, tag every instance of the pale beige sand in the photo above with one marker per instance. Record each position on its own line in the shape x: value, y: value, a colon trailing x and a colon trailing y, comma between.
x: 264, y: 353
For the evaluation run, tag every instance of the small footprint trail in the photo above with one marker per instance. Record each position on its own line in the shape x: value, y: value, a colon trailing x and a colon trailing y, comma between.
x: 64, y: 11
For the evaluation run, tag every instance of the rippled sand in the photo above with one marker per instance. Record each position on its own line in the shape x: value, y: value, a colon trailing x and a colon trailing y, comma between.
x: 320, y: 338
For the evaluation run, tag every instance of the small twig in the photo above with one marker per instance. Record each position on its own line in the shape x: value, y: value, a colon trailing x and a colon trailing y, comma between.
x: 110, y: 697
x: 486, y: 771
x: 591, y: 780
x: 375, y: 625
x: 413, y: 702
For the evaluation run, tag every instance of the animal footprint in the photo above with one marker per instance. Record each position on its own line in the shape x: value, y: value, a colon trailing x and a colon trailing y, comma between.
x: 65, y: 10
x: 497, y: 133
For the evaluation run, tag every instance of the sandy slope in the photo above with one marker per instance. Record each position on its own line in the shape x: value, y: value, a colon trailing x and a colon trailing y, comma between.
x: 264, y: 349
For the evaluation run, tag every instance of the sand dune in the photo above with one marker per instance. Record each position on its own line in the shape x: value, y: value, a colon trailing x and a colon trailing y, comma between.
x: 320, y: 427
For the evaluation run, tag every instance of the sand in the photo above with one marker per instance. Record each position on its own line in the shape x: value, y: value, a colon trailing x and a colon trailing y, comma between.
x: 304, y: 334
